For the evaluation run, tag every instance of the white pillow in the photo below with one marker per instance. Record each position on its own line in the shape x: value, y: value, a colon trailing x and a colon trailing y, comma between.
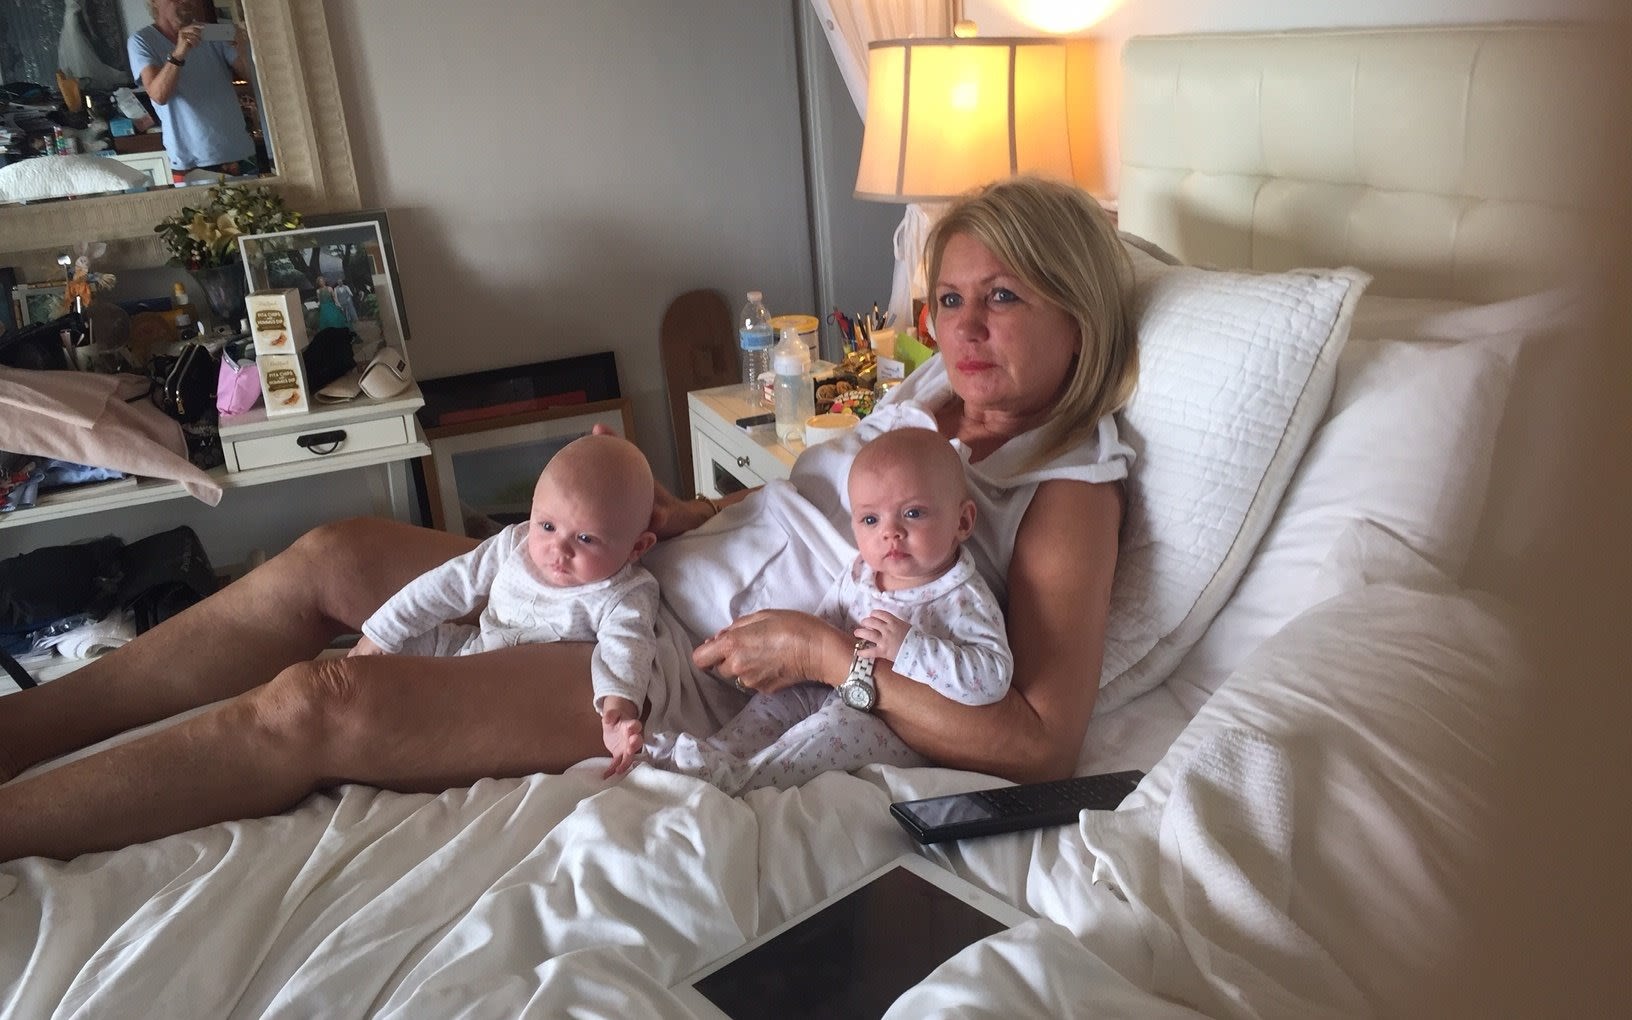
x: 29, y: 180
x: 1407, y: 446
x: 1235, y: 373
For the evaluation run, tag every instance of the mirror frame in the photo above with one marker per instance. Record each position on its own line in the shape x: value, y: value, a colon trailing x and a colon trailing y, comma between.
x: 300, y: 96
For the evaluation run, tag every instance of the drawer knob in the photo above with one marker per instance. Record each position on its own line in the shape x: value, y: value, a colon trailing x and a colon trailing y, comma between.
x: 742, y: 462
x: 322, y: 443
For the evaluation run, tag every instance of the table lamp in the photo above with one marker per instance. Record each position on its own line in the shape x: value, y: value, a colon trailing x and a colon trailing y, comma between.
x: 947, y: 115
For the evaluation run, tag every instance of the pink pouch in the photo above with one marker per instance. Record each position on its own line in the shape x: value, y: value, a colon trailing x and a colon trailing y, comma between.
x: 238, y: 387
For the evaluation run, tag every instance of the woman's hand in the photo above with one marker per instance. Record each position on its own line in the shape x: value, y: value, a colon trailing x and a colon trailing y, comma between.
x: 671, y: 515
x: 776, y: 648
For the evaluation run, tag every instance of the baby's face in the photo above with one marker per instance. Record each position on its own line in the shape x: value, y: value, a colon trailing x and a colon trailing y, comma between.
x: 576, y: 539
x: 908, y: 525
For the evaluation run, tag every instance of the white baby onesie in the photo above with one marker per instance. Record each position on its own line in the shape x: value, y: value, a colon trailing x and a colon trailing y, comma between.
x: 957, y: 645
x: 616, y: 613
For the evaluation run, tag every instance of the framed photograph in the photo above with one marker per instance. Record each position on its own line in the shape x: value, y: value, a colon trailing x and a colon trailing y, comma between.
x: 36, y: 302
x: 345, y: 272
x: 480, y: 475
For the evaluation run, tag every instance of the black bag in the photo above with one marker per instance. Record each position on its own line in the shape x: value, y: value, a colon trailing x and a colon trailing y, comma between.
x: 328, y: 356
x: 162, y: 574
x: 184, y: 385
x: 43, y: 586
x: 39, y: 346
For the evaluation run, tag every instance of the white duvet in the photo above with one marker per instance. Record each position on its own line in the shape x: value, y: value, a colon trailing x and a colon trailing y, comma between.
x: 1296, y: 853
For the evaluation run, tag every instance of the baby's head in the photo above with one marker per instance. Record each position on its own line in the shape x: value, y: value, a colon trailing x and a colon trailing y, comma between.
x: 591, y: 509
x: 909, y: 506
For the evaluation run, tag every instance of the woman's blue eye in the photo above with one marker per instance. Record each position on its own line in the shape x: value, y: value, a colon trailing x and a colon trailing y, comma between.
x: 1003, y: 295
x: 949, y: 300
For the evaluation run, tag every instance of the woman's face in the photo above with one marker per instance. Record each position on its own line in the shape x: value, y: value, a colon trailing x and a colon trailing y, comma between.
x: 1007, y: 352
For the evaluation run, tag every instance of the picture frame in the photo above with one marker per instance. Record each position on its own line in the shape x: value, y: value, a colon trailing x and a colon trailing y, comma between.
x: 346, y: 274
x: 33, y: 303
x: 479, y: 476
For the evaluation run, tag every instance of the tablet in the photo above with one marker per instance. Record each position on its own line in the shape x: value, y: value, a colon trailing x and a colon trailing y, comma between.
x: 856, y: 952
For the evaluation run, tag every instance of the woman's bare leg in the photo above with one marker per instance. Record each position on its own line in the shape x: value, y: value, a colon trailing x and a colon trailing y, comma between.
x: 282, y: 612
x: 412, y: 724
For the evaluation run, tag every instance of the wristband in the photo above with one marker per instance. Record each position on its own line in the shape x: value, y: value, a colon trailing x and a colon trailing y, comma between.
x: 173, y: 59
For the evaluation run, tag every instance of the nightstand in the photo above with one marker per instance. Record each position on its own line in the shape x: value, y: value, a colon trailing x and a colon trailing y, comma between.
x: 724, y: 458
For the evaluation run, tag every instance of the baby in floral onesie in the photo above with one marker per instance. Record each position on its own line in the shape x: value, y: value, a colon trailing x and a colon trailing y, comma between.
x: 913, y: 592
x: 569, y: 573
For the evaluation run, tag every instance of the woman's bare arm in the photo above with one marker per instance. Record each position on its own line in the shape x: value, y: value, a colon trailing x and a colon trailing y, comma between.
x: 1059, y: 597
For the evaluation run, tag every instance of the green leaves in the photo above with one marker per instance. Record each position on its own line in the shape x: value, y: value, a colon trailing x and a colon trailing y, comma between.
x: 199, y: 238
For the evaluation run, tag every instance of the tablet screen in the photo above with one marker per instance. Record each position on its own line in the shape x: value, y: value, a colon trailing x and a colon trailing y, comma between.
x: 855, y: 957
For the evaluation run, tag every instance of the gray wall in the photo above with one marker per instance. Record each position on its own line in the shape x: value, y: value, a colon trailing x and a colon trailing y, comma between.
x: 558, y: 171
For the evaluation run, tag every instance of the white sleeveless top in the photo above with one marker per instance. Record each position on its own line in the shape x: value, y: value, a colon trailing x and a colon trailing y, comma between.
x: 784, y: 546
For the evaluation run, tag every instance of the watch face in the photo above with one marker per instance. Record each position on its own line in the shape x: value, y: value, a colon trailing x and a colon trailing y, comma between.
x: 858, y: 695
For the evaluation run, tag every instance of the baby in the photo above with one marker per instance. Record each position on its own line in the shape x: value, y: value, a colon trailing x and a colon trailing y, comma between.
x: 567, y: 574
x: 913, y: 592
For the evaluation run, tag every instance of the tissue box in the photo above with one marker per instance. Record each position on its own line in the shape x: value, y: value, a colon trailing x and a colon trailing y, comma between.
x: 277, y: 324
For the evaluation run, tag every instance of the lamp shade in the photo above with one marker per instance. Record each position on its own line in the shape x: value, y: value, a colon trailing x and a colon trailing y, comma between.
x: 945, y: 115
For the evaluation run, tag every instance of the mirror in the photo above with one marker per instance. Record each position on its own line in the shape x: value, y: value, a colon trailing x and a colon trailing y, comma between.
x: 304, y: 127
x: 90, y: 41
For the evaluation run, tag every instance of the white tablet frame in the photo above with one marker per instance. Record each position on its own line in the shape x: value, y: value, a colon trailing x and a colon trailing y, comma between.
x: 947, y: 881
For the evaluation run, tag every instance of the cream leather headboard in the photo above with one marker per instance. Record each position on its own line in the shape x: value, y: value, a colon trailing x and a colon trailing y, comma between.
x: 1448, y: 162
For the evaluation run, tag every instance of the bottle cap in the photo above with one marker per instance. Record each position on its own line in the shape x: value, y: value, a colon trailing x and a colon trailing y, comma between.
x: 755, y: 295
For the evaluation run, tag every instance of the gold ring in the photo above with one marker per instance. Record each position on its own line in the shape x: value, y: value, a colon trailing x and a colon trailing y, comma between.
x: 737, y: 680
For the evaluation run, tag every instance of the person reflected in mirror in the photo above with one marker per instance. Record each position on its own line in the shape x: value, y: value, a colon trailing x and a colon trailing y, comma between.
x: 190, y: 80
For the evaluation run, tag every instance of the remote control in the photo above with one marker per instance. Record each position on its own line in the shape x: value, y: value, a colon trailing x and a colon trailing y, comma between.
x: 1012, y: 808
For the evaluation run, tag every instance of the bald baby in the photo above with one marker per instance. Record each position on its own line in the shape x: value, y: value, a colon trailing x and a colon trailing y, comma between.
x: 591, y: 508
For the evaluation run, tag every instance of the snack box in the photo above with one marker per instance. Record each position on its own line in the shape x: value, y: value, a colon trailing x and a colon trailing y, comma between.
x: 277, y: 323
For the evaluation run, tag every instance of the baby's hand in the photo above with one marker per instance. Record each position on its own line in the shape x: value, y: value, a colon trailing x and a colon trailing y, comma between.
x: 364, y: 646
x: 886, y: 631
x: 623, y: 734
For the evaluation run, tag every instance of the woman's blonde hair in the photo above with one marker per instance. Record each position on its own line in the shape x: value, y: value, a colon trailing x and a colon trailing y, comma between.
x: 1061, y: 244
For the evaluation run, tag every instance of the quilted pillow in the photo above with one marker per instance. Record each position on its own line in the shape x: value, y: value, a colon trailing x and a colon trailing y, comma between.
x: 29, y: 180
x: 1236, y: 370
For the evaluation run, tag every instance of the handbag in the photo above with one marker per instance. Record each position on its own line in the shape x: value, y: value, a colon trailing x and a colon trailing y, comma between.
x: 184, y: 385
x: 238, y: 386
x: 40, y: 346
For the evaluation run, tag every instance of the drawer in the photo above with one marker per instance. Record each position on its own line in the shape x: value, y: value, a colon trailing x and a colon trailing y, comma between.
x: 319, y: 441
x: 719, y: 472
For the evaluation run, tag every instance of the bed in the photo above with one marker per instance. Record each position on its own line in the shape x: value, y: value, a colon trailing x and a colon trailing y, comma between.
x: 1299, y: 657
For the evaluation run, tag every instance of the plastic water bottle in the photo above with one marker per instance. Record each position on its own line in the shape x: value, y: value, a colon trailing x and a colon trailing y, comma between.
x: 795, y: 394
x: 755, y: 337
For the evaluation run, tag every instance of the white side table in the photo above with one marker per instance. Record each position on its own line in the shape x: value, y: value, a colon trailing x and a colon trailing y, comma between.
x: 725, y: 458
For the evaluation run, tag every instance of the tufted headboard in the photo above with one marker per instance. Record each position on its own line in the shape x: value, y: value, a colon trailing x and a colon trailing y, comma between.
x: 1464, y: 163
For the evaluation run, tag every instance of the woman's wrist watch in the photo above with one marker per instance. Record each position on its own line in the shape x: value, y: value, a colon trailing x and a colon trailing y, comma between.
x: 858, y: 689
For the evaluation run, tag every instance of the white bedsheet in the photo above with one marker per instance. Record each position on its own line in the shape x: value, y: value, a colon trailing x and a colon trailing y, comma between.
x: 547, y: 894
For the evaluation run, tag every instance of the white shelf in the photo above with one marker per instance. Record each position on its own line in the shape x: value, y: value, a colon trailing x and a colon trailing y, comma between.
x: 127, y: 492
